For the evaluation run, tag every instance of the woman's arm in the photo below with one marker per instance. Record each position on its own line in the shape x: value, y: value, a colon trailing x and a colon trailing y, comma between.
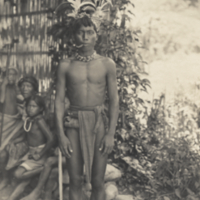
x: 3, y: 90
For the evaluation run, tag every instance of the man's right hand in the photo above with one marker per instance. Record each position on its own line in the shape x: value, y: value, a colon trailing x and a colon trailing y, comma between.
x: 65, y: 146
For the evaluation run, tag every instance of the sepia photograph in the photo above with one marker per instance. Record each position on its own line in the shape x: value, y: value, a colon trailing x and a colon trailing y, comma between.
x: 99, y: 99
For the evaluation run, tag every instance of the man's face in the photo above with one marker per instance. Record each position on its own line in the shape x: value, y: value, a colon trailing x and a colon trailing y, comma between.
x: 12, y: 75
x: 86, y: 36
x: 26, y: 89
x: 33, y: 109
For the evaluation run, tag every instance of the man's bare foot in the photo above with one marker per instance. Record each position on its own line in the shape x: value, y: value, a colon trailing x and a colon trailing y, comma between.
x: 3, y: 184
x: 32, y: 196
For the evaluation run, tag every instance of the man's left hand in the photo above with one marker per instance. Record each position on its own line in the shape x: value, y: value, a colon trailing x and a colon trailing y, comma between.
x: 107, y: 144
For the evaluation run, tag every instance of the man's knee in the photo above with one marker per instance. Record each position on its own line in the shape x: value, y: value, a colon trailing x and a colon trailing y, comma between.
x: 97, y: 183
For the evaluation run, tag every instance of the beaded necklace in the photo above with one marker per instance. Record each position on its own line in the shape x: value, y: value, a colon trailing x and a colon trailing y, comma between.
x: 85, y: 58
x: 25, y: 124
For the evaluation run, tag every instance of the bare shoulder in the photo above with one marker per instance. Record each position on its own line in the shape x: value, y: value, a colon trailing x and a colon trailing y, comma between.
x: 39, y: 119
x: 41, y: 122
x: 108, y: 63
x: 64, y: 65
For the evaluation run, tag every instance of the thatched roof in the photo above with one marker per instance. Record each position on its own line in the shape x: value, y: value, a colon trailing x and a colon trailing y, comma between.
x: 27, y: 22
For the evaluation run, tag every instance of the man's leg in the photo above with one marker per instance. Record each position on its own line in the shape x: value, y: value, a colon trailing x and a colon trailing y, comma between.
x: 98, y: 169
x: 75, y: 165
x: 3, y: 162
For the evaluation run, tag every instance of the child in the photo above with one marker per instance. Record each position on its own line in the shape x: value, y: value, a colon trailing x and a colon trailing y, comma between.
x: 10, y: 119
x: 39, y: 139
x: 50, y: 173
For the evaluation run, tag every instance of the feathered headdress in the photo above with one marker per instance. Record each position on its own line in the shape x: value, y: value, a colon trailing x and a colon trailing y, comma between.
x: 98, y: 11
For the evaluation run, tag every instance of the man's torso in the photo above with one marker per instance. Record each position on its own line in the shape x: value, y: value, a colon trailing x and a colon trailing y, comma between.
x: 86, y: 82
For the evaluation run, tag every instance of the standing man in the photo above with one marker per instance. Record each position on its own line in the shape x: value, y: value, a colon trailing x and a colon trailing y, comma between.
x: 86, y: 77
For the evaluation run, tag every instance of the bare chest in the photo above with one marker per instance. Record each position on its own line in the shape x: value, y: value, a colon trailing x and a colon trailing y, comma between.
x: 32, y: 129
x: 92, y: 72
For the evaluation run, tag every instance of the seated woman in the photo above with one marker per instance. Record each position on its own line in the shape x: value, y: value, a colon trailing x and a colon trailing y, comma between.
x: 39, y: 139
x: 10, y: 119
x: 11, y: 112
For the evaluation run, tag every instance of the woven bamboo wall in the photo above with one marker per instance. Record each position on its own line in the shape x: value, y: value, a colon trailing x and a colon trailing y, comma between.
x: 27, y: 21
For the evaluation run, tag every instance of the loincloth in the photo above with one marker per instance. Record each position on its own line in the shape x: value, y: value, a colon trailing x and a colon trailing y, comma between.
x: 11, y: 125
x: 31, y: 164
x: 88, y: 120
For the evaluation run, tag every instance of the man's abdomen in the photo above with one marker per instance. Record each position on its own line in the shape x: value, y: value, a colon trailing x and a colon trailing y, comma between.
x: 90, y: 95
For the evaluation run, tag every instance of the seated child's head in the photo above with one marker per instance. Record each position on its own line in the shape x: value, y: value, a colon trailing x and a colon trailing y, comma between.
x: 35, y: 105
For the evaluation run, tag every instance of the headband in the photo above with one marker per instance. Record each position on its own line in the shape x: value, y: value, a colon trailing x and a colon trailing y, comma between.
x: 30, y: 79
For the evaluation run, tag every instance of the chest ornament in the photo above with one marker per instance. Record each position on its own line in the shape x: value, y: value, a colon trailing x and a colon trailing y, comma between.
x: 85, y: 58
x: 29, y: 123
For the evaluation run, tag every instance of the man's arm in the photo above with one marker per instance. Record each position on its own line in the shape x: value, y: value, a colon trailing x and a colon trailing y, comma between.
x: 60, y: 107
x: 111, y: 81
x: 113, y: 96
x: 60, y: 98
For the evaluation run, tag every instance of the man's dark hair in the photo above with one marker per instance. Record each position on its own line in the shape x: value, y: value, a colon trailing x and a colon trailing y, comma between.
x: 83, y: 21
x: 38, y: 100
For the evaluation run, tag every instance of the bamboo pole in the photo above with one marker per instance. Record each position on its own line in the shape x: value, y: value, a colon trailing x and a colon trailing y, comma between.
x: 60, y: 175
